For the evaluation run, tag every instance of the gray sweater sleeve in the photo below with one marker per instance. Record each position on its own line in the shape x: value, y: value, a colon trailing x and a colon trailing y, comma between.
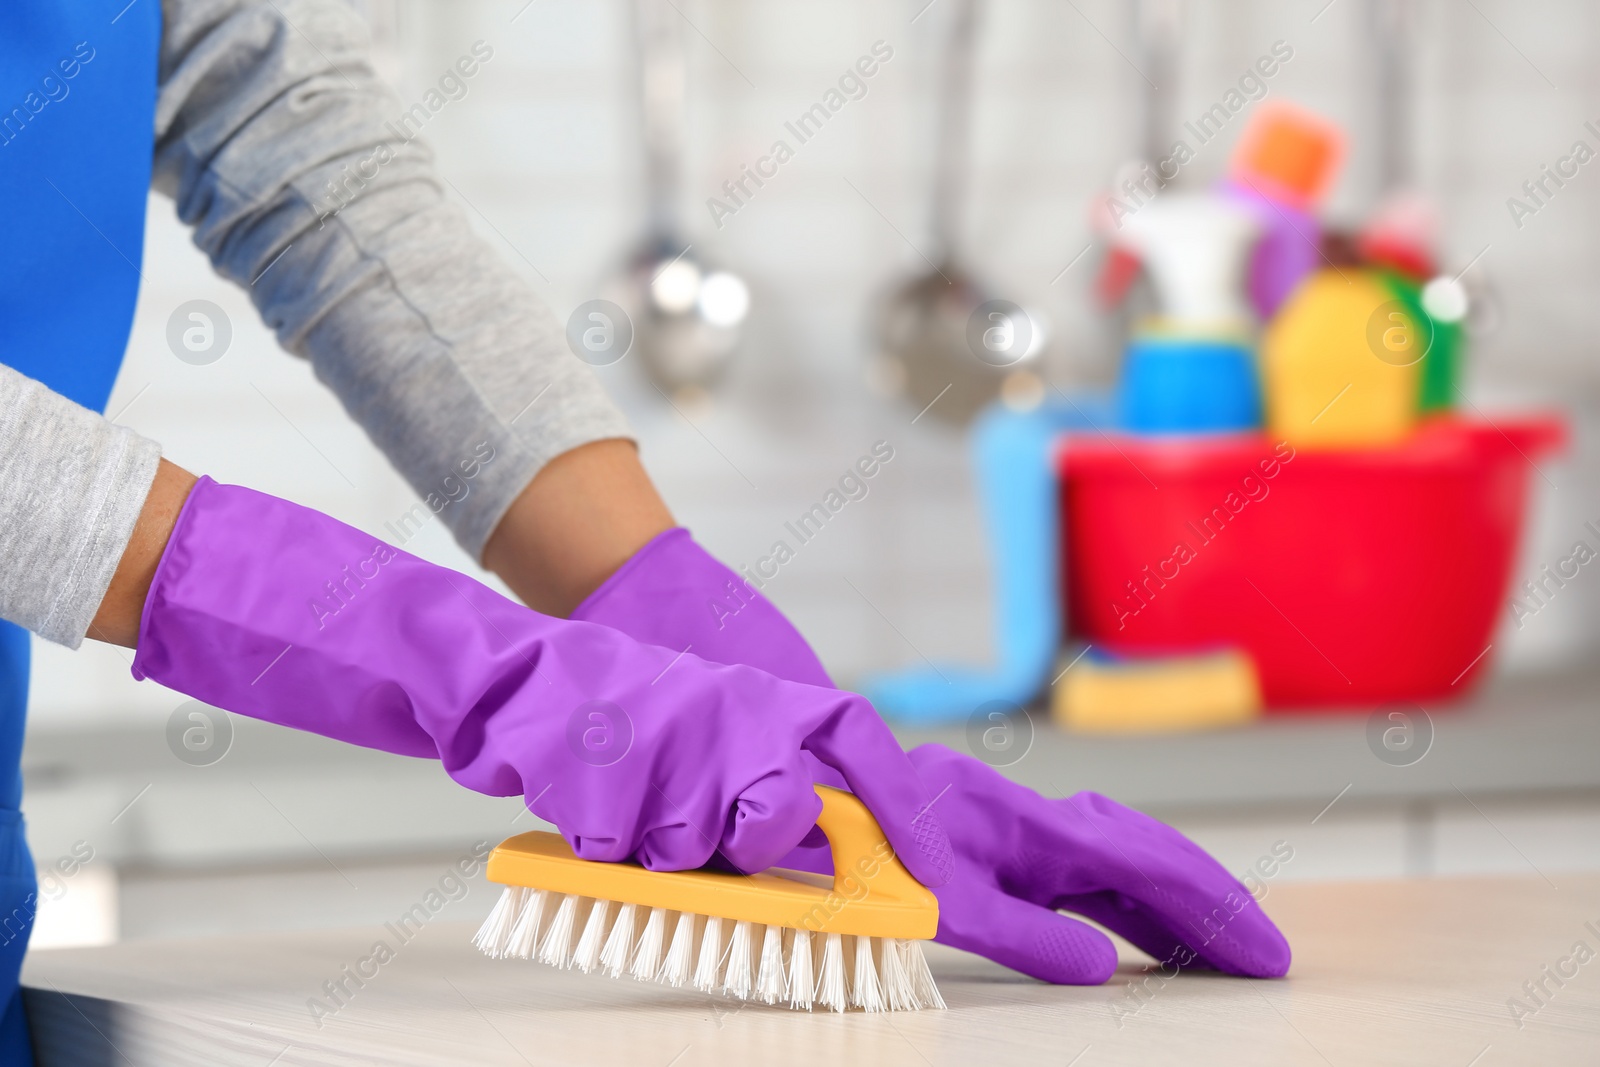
x: 282, y: 149
x: 71, y: 488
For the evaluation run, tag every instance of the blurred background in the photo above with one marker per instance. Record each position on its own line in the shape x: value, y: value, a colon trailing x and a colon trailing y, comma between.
x: 998, y: 142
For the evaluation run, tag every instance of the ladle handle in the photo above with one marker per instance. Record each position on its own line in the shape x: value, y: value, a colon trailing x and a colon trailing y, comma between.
x: 955, y: 127
x: 658, y: 37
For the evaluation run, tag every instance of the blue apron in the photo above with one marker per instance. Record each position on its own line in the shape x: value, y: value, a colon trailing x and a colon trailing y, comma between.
x: 77, y: 127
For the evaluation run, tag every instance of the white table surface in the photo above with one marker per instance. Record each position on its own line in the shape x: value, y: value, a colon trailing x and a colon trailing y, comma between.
x: 1415, y: 972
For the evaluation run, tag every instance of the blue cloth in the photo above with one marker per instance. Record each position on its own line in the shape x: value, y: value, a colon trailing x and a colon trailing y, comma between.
x: 1013, y: 456
x: 77, y: 134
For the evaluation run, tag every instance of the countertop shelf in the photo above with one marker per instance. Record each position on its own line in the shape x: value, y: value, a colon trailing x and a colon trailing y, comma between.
x: 1515, y: 736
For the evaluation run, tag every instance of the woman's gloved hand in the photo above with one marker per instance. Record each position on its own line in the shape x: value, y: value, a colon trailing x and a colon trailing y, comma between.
x: 278, y: 612
x: 1019, y: 856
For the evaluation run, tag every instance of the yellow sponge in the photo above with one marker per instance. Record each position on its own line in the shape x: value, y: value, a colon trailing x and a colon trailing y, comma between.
x: 1159, y: 695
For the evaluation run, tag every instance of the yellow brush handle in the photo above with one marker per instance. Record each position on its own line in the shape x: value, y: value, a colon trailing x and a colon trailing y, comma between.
x: 864, y: 863
x: 872, y: 895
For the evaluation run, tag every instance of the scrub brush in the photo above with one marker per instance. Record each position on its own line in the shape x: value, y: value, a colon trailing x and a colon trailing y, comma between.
x: 779, y: 938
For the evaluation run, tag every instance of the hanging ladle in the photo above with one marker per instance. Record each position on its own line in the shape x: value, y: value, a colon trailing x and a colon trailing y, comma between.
x: 943, y: 343
x: 686, y: 312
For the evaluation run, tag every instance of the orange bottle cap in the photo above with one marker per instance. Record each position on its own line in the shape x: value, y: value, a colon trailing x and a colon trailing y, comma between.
x: 1289, y: 153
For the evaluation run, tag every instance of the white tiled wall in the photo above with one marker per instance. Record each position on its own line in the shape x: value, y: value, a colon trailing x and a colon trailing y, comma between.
x: 544, y: 152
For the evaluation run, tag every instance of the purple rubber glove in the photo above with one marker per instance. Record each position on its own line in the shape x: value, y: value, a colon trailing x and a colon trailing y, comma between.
x: 278, y: 612
x: 674, y: 594
x: 1019, y: 856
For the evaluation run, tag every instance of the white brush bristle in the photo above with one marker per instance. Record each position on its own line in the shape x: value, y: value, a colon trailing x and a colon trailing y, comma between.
x: 736, y: 979
x: 556, y: 950
x: 770, y: 984
x: 709, y: 964
x: 831, y: 990
x: 746, y: 960
x: 647, y: 957
x: 678, y: 967
x: 802, y: 982
x: 897, y: 988
x: 865, y: 991
x: 496, y: 930
x: 923, y: 990
x: 586, y: 957
x: 524, y: 941
x: 619, y: 943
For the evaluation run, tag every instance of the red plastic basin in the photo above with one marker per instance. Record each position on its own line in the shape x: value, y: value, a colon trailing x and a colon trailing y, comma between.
x: 1351, y: 577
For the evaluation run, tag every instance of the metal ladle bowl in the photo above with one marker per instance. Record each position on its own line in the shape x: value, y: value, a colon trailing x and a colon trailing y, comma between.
x: 687, y: 314
x: 931, y: 336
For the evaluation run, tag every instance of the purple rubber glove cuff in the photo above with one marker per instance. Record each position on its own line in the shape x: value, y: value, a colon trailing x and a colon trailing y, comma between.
x: 712, y: 609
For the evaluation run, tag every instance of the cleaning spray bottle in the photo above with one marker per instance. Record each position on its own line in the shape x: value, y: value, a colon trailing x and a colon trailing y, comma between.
x: 1191, y: 369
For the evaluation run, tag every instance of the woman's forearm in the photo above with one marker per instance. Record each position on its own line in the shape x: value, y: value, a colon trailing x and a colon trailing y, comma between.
x: 583, y: 516
x: 117, y: 621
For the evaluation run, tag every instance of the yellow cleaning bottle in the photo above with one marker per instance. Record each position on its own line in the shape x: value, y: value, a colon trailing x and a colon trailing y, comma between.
x: 1340, y: 363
